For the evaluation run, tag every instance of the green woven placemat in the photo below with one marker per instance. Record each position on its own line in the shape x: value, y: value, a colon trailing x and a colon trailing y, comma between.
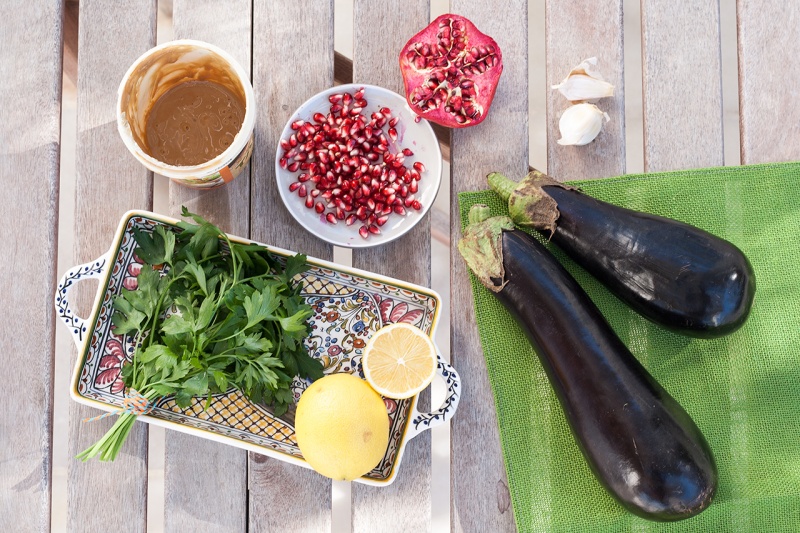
x: 742, y: 390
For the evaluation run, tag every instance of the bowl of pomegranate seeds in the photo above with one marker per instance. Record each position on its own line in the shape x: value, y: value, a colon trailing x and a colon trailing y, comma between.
x: 356, y: 167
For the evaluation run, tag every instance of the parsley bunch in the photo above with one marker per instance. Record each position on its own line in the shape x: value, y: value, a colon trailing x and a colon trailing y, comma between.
x: 209, y: 314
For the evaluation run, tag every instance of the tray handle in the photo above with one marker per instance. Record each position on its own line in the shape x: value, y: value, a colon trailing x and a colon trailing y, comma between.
x: 423, y: 421
x: 77, y: 325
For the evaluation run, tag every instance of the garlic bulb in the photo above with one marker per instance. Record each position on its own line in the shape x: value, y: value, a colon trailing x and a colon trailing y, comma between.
x: 580, y: 124
x: 585, y: 84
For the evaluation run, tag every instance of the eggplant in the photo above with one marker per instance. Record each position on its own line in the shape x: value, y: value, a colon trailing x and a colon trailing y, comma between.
x: 678, y: 276
x: 639, y: 442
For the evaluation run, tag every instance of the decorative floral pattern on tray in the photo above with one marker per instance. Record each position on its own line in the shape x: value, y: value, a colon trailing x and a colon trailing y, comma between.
x: 347, y: 311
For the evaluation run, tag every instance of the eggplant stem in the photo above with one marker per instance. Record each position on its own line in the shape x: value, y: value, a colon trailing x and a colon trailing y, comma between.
x: 501, y: 185
x: 478, y: 213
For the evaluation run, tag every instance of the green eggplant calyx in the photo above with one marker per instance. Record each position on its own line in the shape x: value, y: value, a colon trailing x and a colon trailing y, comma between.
x: 529, y: 206
x: 482, y: 246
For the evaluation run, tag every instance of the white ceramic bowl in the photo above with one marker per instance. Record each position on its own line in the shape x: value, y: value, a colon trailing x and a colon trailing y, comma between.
x: 417, y: 136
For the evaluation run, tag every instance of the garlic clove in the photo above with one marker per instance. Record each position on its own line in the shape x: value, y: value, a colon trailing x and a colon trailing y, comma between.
x: 584, y: 83
x: 580, y: 124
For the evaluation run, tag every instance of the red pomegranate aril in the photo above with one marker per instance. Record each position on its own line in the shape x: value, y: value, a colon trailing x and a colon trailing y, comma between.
x: 374, y: 229
x: 294, y: 186
x: 283, y: 162
x: 409, y: 201
x: 413, y: 187
x: 363, y: 231
x: 393, y: 122
x: 319, y: 117
x: 303, y: 177
x: 380, y: 221
x: 314, y: 193
x: 331, y: 218
x: 403, y: 192
x: 407, y: 152
x: 416, y: 205
x: 350, y: 220
x: 371, y: 218
x: 387, y: 210
x: 302, y: 192
x: 319, y: 207
x: 293, y: 140
x: 386, y: 111
x: 301, y: 157
x: 285, y: 144
x: 309, y: 201
x: 390, y: 199
x: 340, y: 213
x: 400, y: 210
x: 334, y: 109
x: 297, y: 124
x: 419, y: 166
x: 292, y: 167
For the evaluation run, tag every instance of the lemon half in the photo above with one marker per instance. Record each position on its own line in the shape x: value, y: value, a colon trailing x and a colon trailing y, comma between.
x: 399, y: 360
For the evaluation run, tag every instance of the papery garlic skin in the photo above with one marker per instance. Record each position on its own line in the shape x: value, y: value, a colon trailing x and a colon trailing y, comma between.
x: 580, y: 124
x: 584, y: 83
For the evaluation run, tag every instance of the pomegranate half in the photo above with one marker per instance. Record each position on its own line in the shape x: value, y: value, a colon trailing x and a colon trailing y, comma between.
x: 450, y: 71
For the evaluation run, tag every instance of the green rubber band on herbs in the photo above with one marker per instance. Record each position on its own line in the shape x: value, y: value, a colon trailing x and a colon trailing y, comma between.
x: 482, y: 246
x: 529, y: 206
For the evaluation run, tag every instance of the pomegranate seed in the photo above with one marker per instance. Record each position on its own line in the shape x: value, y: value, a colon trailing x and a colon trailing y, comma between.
x: 374, y: 229
x: 359, y: 94
x: 393, y: 122
x: 416, y: 205
x: 314, y: 193
x: 302, y: 192
x: 335, y: 98
x: 393, y: 133
x: 363, y: 231
x: 387, y: 210
x: 293, y: 140
x: 320, y: 207
x: 407, y: 152
x: 331, y: 219
x: 294, y: 186
x: 319, y: 117
x: 309, y: 202
x: 285, y: 144
x: 303, y: 177
x: 386, y: 111
x: 283, y: 162
x: 297, y: 124
x: 350, y: 220
x: 413, y: 187
x: 340, y: 213
x: 400, y: 210
x: 419, y: 167
x: 334, y: 109
x: 292, y: 167
x: 409, y: 201
x: 382, y: 220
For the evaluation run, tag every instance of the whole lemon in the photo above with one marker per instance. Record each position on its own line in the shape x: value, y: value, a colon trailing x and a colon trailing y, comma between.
x: 341, y: 426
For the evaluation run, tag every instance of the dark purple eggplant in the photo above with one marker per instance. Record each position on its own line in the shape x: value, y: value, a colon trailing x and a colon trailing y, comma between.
x: 675, y: 274
x: 639, y: 442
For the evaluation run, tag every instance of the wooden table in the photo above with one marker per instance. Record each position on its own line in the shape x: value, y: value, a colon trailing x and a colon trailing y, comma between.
x: 288, y: 45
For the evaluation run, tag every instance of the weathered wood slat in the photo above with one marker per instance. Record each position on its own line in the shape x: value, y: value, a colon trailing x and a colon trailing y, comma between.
x: 293, y: 41
x: 479, y: 488
x: 193, y: 464
x: 575, y: 31
x: 406, y: 504
x: 106, y: 496
x: 769, y: 74
x: 30, y: 98
x: 682, y: 80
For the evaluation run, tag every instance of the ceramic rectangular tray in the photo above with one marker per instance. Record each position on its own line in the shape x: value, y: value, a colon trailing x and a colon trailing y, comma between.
x: 349, y: 306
